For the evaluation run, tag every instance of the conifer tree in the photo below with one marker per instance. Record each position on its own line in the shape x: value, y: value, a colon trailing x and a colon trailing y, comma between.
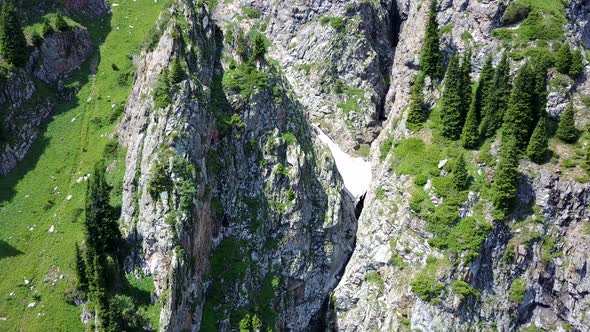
x: 81, y: 270
x: 452, y: 101
x: 540, y: 92
x: 466, y: 88
x: 566, y: 130
x: 460, y: 175
x: 36, y: 39
x: 577, y: 67
x: 539, y: 143
x: 485, y: 86
x: 60, y: 22
x: 176, y: 72
x: 417, y: 111
x: 496, y: 102
x: 506, y: 177
x: 259, y: 48
x: 519, y: 115
x: 430, y: 60
x: 470, y: 134
x: 563, y: 61
x: 13, y: 45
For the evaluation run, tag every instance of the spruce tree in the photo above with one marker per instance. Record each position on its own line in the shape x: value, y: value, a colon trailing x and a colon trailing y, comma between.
x: 81, y: 270
x: 563, y: 61
x: 466, y: 88
x: 470, y: 134
x: 506, y: 177
x: 460, y: 176
x: 430, y: 60
x: 259, y: 48
x: 519, y: 115
x: 577, y: 67
x: 452, y: 101
x: 417, y: 111
x: 60, y: 22
x: 540, y: 93
x: 176, y: 72
x: 566, y: 130
x: 495, y: 102
x: 539, y: 143
x: 485, y: 86
x: 13, y: 45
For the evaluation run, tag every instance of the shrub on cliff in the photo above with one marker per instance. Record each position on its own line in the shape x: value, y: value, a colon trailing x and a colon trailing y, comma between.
x: 566, y: 131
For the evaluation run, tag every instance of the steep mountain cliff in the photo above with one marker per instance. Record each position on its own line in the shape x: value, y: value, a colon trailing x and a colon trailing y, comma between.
x: 267, y: 174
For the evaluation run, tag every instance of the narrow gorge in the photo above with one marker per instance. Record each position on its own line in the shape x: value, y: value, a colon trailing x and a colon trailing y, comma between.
x: 325, y: 165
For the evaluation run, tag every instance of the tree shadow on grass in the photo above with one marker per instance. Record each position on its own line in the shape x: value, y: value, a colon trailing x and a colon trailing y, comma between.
x: 6, y: 250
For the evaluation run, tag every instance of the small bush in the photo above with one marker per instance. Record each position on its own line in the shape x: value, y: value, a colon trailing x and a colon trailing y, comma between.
x: 516, y: 12
x: 517, y: 290
x: 464, y: 289
x: 336, y: 22
x: 60, y: 23
x: 427, y: 287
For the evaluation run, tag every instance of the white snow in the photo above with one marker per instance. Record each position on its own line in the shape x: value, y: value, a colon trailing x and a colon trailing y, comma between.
x: 355, y: 171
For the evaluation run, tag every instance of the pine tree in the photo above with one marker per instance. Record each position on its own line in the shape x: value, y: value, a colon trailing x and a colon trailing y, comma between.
x: 466, y: 85
x: 539, y: 143
x: 506, y: 177
x: 519, y: 115
x: 496, y: 102
x: 577, y: 67
x: 36, y: 39
x: 81, y: 270
x: 417, y: 113
x: 452, y: 101
x: 460, y: 175
x: 259, y: 48
x: 13, y: 45
x: 563, y: 62
x: 430, y: 60
x: 60, y: 22
x: 470, y: 134
x: 176, y: 72
x: 540, y: 92
x: 485, y: 86
x: 566, y: 131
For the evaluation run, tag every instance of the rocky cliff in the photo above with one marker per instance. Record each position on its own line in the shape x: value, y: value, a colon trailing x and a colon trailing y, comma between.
x: 235, y: 203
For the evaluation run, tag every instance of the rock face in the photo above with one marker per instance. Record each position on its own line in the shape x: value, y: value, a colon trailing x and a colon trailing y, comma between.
x: 236, y: 207
x: 60, y: 54
x: 87, y: 7
x: 246, y: 173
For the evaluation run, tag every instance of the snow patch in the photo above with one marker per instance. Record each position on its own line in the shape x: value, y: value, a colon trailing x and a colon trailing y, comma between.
x: 355, y: 171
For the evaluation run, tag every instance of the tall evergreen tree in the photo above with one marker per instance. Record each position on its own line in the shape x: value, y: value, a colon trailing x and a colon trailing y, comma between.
x: 563, y: 61
x: 539, y: 142
x: 466, y: 85
x: 470, y: 134
x: 259, y: 48
x: 506, y: 177
x: 13, y: 45
x: 430, y: 60
x: 452, y: 101
x: 176, y: 72
x: 540, y: 93
x: 485, y: 86
x: 81, y: 270
x: 460, y: 176
x: 519, y: 115
x: 417, y: 113
x: 566, y: 130
x: 496, y: 102
x: 577, y: 67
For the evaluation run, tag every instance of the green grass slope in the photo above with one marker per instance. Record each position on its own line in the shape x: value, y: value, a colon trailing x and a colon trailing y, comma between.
x: 35, y: 195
